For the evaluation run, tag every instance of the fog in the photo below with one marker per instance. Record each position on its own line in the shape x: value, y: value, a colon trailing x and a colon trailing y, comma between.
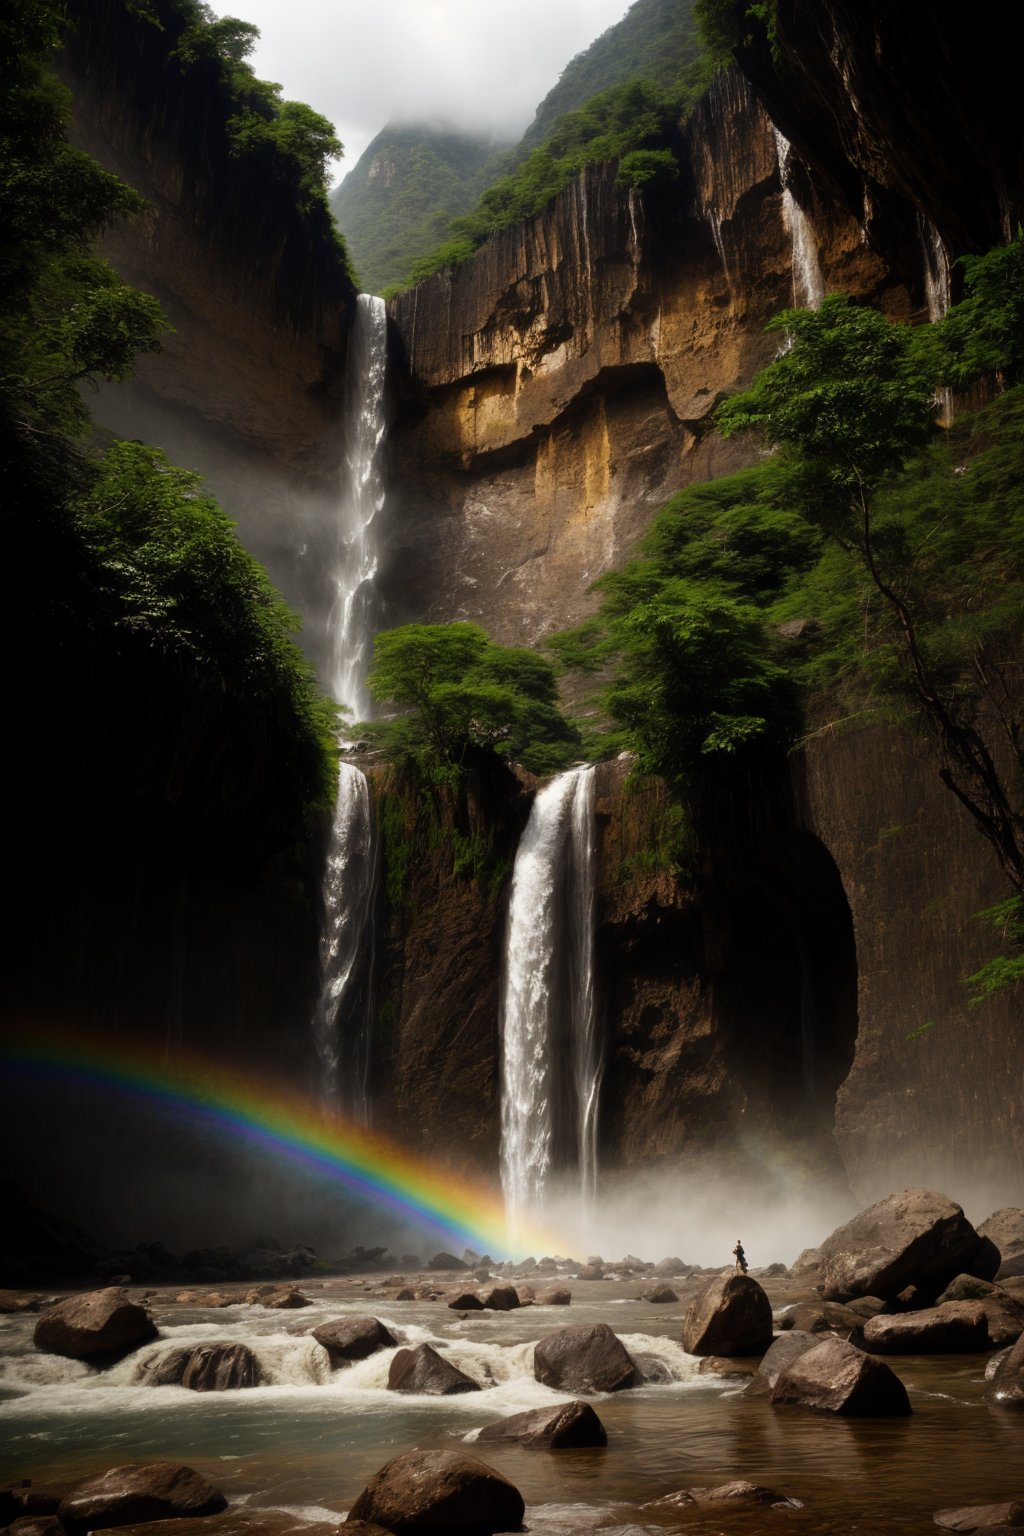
x: 476, y: 66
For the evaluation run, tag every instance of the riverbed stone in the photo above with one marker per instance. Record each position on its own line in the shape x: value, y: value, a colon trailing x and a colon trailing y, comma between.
x: 586, y: 1359
x: 955, y: 1328
x: 466, y: 1301
x: 821, y: 1317
x: 19, y: 1301
x: 982, y: 1517
x: 221, y: 1368
x: 105, y: 1323
x: 787, y: 1348
x: 590, y: 1272
x: 1006, y: 1389
x: 1005, y: 1227
x: 730, y: 1316
x: 917, y: 1237
x: 446, y: 1261
x: 718, y: 1365
x: 36, y: 1525
x: 566, y: 1426
x: 353, y: 1338
x: 439, y: 1491
x: 501, y: 1298
x: 836, y: 1377
x: 671, y: 1267
x: 158, y: 1490
x: 659, y: 1295
x: 557, y: 1296
x: 22, y: 1501
x: 423, y: 1370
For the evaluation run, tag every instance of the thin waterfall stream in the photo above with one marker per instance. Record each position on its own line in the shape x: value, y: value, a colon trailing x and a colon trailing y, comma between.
x: 551, y: 1050
x: 341, y: 1019
x: 808, y: 283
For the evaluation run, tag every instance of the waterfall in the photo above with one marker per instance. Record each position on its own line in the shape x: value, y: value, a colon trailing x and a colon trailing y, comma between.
x: 356, y: 555
x: 341, y: 1021
x: 808, y: 283
x: 551, y: 1050
x: 937, y: 286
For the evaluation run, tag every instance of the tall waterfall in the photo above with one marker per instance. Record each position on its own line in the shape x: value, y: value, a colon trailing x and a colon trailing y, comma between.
x: 808, y: 283
x: 937, y: 288
x: 551, y: 1048
x: 341, y: 1021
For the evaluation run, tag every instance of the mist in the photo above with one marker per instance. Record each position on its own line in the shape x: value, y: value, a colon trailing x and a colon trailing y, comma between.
x: 482, y: 68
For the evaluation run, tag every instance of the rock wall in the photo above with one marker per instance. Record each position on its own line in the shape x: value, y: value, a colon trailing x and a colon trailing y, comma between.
x: 559, y: 385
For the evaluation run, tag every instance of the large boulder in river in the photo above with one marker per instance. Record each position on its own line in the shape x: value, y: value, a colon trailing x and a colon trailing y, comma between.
x: 787, y: 1348
x: 836, y: 1377
x: 915, y: 1238
x: 353, y: 1338
x: 730, y: 1316
x: 501, y: 1298
x: 95, y: 1325
x: 159, y: 1490
x: 439, y: 1491
x: 446, y: 1261
x: 423, y: 1370
x: 586, y: 1359
x: 567, y: 1426
x: 982, y: 1517
x: 221, y: 1368
x: 955, y: 1328
x: 557, y: 1296
x: 1006, y: 1389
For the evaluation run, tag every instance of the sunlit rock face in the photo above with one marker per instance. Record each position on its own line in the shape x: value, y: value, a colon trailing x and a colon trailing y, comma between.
x: 561, y: 383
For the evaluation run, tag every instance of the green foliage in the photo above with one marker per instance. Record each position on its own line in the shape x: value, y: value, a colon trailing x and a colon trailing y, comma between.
x: 1006, y: 970
x: 984, y: 333
x: 729, y: 26
x: 642, y: 166
x: 462, y: 693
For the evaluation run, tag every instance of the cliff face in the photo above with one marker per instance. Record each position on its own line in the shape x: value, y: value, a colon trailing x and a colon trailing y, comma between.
x: 559, y: 385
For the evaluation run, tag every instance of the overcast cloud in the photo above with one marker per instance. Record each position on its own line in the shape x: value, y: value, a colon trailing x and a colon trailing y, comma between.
x: 476, y: 63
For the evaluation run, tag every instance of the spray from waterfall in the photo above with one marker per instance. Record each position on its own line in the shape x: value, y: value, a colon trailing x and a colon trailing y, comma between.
x: 808, y: 283
x: 551, y: 1048
x: 341, y: 1021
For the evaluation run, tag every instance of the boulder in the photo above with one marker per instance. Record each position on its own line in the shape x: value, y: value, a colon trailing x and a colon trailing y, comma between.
x: 466, y: 1301
x: 557, y: 1296
x: 36, y: 1525
x: 1006, y: 1389
x: 806, y: 1262
x: 735, y: 1495
x: 566, y: 1426
x: 501, y: 1298
x: 821, y: 1317
x: 836, y: 1377
x: 423, y: 1370
x: 1005, y: 1228
x: 353, y: 1338
x: 280, y: 1298
x: 19, y: 1301
x: 439, y: 1491
x: 717, y: 1365
x: 916, y: 1238
x: 159, y: 1490
x: 221, y: 1368
x: 955, y: 1328
x: 787, y: 1348
x: 988, y: 1261
x: 590, y: 1272
x: 588, y: 1359
x: 671, y: 1267
x: 94, y: 1325
x: 730, y: 1316
x: 982, y: 1517
x: 661, y: 1295
x: 23, y: 1501
x: 446, y: 1261
x: 405, y: 1294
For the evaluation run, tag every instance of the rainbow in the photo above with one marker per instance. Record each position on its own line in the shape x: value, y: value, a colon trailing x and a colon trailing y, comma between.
x: 252, y: 1109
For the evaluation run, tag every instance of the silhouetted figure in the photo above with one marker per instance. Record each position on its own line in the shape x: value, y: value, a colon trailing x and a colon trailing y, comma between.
x: 741, y: 1258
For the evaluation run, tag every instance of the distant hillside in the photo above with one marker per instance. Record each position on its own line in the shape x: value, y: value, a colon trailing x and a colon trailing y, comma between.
x: 656, y: 39
x: 400, y: 197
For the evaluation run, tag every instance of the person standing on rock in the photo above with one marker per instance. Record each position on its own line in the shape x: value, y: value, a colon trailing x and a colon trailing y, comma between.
x: 741, y: 1258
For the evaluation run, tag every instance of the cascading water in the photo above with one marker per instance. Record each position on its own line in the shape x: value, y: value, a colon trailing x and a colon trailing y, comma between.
x: 342, y: 1017
x: 551, y: 1051
x: 937, y: 288
x: 808, y: 283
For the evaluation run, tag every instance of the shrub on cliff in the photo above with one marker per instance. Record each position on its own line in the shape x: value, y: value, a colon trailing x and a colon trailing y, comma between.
x: 461, y: 693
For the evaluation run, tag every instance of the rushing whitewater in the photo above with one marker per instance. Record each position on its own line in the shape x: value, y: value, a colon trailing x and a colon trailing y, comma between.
x: 551, y: 1051
x: 341, y: 1022
x: 808, y: 283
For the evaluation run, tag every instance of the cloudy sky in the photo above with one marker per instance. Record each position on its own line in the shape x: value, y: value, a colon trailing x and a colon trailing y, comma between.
x: 477, y: 63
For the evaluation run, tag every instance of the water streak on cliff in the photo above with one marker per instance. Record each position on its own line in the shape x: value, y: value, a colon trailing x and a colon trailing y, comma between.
x: 551, y: 1056
x: 937, y: 292
x: 808, y: 283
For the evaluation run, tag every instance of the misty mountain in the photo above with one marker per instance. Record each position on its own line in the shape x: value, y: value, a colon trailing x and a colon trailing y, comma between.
x: 400, y: 196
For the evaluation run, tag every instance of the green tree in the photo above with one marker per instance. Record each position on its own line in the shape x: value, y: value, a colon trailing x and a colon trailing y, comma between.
x: 849, y: 405
x: 463, y: 693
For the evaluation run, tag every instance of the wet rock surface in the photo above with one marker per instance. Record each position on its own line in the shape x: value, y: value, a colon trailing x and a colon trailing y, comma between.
x: 588, y: 1359
x: 159, y: 1490
x: 982, y: 1517
x: 786, y: 1349
x: 568, y: 1426
x: 98, y: 1324
x: 353, y: 1338
x: 731, y: 1316
x: 439, y: 1491
x: 1006, y: 1389
x: 835, y: 1377
x: 956, y: 1327
x: 423, y: 1370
